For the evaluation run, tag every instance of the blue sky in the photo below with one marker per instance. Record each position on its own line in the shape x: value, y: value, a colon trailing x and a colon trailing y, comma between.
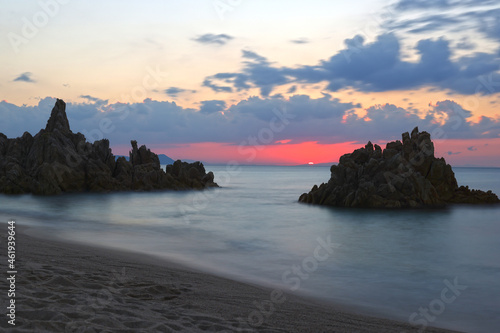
x: 198, y: 75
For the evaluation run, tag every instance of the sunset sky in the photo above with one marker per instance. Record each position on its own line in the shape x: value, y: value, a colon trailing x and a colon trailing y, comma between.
x: 258, y: 82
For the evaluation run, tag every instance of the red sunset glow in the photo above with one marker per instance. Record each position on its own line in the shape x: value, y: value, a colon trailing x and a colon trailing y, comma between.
x: 456, y: 152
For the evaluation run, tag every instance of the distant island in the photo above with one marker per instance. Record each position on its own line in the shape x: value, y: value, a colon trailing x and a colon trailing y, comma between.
x: 403, y: 175
x: 164, y: 159
x: 56, y: 160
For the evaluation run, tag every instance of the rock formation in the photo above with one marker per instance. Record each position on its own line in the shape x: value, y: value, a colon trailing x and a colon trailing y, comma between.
x: 56, y: 160
x: 403, y: 175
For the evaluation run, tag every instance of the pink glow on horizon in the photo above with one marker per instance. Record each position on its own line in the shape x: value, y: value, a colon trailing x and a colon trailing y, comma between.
x: 479, y: 152
x: 280, y: 154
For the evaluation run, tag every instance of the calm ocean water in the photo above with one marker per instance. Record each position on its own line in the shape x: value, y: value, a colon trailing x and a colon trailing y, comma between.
x: 387, y: 263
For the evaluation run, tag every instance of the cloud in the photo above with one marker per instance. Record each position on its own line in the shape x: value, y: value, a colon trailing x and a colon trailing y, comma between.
x: 490, y: 24
x: 25, y: 77
x: 212, y: 106
x: 372, y: 67
x: 453, y: 153
x: 301, y: 107
x: 471, y: 148
x: 408, y: 5
x: 257, y: 72
x: 175, y: 91
x: 435, y: 25
x: 453, y: 16
x: 299, y: 118
x: 166, y: 122
x: 404, y: 5
x: 90, y: 98
x: 220, y: 39
x: 300, y: 41
x: 291, y: 90
x: 450, y: 109
x: 465, y: 44
x: 444, y: 120
x: 254, y: 56
x: 18, y: 119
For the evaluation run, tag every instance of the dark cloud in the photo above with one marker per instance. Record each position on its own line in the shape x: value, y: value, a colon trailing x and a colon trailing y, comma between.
x: 465, y: 44
x: 90, y: 98
x: 472, y: 148
x: 433, y: 26
x: 257, y: 72
x: 25, y: 77
x: 490, y: 24
x: 300, y: 41
x: 325, y: 120
x: 372, y: 67
x: 424, y: 23
x: 404, y: 5
x: 220, y: 39
x: 407, y: 5
x: 451, y: 108
x: 213, y: 106
x: 18, y: 119
x: 453, y: 153
x: 459, y: 16
x: 292, y: 89
x: 301, y: 107
x: 217, y: 88
x: 479, y: 64
x: 444, y: 120
x: 254, y: 56
x: 175, y: 91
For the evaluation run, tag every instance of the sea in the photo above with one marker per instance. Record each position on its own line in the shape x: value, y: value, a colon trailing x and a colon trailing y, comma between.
x: 427, y: 267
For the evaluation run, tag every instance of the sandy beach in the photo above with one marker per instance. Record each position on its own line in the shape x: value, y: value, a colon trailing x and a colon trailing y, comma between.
x: 63, y: 287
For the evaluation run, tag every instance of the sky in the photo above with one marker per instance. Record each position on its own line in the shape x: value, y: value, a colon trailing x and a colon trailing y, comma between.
x: 254, y: 81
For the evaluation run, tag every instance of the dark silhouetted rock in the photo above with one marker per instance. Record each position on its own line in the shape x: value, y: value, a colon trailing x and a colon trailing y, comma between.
x: 57, y: 160
x: 404, y: 175
x: 58, y: 119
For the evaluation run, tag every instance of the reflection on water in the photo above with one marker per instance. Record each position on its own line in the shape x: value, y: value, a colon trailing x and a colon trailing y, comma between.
x: 387, y: 263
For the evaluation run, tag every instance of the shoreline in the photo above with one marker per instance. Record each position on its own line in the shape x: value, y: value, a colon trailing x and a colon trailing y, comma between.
x: 72, y: 287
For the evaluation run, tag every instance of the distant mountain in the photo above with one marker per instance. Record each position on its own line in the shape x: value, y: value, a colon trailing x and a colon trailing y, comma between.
x: 126, y: 157
x: 164, y: 159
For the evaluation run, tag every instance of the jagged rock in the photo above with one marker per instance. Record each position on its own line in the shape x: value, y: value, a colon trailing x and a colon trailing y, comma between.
x: 57, y: 160
x: 404, y: 175
x: 58, y: 120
